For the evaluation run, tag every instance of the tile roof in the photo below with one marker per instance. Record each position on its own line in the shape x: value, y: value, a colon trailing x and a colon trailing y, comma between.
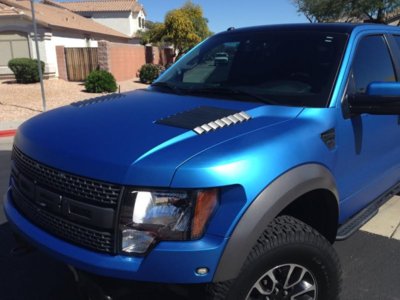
x: 6, y: 10
x: 99, y: 5
x: 56, y: 17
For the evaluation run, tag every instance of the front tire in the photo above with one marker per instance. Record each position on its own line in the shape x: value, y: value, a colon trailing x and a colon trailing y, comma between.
x: 290, y: 261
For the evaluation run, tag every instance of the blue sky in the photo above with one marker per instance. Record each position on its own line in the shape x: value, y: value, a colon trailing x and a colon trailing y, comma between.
x: 224, y: 13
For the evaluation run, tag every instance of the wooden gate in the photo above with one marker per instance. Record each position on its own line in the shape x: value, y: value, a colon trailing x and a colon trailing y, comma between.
x: 80, y: 62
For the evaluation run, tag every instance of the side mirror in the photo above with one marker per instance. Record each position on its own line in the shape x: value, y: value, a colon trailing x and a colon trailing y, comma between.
x: 381, y: 98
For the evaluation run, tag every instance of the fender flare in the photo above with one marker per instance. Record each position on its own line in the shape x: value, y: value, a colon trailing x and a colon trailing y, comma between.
x: 266, y: 206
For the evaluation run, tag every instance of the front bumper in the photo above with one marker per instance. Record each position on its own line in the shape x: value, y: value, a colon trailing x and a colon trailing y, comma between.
x: 168, y: 262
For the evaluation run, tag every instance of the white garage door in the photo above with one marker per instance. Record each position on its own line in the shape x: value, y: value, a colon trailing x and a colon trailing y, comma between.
x: 13, y: 45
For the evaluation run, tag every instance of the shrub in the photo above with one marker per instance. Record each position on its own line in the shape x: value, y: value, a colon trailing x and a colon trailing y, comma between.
x: 25, y: 69
x: 100, y: 81
x: 168, y: 65
x: 149, y: 72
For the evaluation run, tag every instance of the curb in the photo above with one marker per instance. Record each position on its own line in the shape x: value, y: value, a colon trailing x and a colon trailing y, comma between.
x: 7, y: 133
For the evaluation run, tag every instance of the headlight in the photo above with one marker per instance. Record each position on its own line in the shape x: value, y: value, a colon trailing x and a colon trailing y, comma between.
x: 148, y: 216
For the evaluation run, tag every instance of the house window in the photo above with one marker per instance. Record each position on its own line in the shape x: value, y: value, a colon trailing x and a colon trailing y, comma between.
x: 140, y: 22
x: 13, y: 45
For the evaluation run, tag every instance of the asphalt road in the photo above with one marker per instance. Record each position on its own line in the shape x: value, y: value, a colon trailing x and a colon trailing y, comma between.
x: 371, y: 265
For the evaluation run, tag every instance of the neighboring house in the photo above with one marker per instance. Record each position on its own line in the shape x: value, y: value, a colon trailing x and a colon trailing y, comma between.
x: 125, y: 16
x: 56, y: 27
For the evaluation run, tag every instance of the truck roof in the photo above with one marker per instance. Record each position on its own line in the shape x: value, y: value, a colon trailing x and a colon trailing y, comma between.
x: 327, y: 27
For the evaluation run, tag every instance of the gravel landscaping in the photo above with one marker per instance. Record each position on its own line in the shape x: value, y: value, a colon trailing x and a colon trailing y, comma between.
x: 20, y: 102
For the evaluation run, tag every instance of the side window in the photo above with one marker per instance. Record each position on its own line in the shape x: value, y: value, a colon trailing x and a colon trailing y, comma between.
x: 372, y: 62
x: 397, y: 39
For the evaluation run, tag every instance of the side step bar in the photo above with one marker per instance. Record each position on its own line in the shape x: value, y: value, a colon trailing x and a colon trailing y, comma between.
x: 359, y: 219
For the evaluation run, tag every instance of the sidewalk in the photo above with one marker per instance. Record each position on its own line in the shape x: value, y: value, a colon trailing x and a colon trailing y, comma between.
x: 387, y: 222
x: 8, y: 128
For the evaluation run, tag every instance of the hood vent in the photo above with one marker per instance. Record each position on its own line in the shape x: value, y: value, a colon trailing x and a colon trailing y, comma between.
x: 205, y: 119
x: 97, y: 100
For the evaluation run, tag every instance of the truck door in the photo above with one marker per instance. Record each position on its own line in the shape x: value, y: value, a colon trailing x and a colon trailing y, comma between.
x: 368, y: 145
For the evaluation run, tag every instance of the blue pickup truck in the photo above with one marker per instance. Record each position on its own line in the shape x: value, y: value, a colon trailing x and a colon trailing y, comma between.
x: 233, y: 177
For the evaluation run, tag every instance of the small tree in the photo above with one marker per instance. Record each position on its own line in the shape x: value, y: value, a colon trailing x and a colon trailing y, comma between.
x: 180, y: 31
x: 153, y: 34
x: 183, y: 28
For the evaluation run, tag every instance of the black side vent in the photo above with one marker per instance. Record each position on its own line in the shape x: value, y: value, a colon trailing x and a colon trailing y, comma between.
x: 329, y: 138
x: 98, y: 100
x: 205, y: 119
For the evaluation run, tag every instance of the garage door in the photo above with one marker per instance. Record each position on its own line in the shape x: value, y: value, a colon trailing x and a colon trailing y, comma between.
x: 13, y: 45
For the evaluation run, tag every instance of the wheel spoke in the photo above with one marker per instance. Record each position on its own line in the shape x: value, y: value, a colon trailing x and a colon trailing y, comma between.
x: 288, y: 276
x: 260, y: 289
x: 306, y: 290
x: 289, y: 285
x: 274, y: 281
x: 265, y: 285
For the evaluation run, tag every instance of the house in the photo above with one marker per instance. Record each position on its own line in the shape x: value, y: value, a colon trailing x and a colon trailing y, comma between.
x: 57, y: 26
x: 125, y: 16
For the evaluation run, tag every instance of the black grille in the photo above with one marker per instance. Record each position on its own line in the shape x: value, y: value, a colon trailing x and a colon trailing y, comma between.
x: 80, y: 235
x: 79, y: 188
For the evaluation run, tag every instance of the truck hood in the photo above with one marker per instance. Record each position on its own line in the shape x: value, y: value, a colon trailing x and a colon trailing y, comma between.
x: 117, y: 138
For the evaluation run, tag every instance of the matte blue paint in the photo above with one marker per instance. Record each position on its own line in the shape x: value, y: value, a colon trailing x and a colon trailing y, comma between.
x: 170, y: 262
x: 118, y: 141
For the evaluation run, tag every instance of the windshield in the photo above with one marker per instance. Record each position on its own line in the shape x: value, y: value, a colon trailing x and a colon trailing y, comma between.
x: 276, y: 67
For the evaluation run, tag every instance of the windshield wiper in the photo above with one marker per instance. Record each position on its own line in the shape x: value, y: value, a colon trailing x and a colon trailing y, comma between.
x: 236, y: 92
x: 169, y: 86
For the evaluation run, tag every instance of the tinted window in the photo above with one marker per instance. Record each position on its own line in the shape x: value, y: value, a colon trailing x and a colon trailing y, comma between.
x: 372, y: 63
x: 287, y: 68
x: 397, y: 39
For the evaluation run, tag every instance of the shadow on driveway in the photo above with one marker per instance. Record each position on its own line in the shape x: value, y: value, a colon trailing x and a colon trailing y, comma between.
x: 31, y: 276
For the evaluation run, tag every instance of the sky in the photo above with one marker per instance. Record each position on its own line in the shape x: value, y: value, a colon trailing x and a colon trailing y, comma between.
x: 223, y: 14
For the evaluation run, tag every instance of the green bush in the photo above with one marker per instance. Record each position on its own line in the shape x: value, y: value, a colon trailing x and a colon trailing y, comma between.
x: 25, y: 69
x: 149, y: 72
x: 100, y: 81
x: 168, y: 65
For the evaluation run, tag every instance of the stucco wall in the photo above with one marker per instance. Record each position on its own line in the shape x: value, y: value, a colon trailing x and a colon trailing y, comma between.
x: 124, y: 22
x: 119, y: 21
x: 126, y: 60
x: 17, y: 24
x: 47, y: 41
x: 134, y: 22
x: 70, y: 40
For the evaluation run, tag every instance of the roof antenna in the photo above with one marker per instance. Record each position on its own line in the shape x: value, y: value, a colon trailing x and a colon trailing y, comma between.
x: 231, y: 28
